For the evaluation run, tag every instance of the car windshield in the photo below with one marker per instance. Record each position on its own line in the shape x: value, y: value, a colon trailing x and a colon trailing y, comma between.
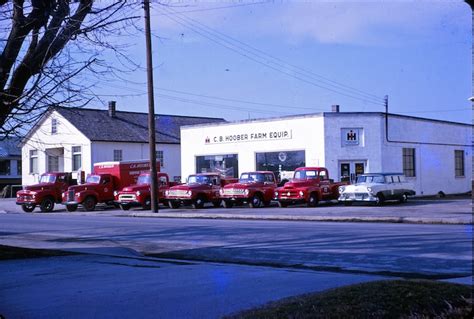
x: 305, y: 174
x: 143, y: 179
x: 47, y: 179
x: 251, y: 177
x: 199, y: 179
x: 93, y: 179
x: 370, y: 179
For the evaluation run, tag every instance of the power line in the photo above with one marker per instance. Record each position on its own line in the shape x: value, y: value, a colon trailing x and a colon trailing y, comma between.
x: 218, y: 8
x: 257, y: 57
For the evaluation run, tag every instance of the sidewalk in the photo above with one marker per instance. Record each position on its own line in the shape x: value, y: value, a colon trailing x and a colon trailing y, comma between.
x: 417, y: 211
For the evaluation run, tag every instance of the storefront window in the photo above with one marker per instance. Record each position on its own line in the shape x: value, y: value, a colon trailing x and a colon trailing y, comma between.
x: 4, y: 167
x: 280, y: 162
x: 227, y: 165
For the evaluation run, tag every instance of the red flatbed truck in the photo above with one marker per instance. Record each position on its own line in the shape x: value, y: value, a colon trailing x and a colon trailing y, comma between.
x: 107, y: 177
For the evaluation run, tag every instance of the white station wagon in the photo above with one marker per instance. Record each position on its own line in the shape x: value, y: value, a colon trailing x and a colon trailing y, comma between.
x: 377, y: 188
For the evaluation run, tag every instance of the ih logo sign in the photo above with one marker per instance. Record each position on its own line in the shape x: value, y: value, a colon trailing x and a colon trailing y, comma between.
x: 351, y: 136
x: 207, y: 140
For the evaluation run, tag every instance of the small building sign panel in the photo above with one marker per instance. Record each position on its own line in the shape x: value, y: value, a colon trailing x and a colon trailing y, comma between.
x: 351, y: 136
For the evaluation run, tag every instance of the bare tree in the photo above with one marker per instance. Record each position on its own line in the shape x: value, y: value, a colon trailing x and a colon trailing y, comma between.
x: 37, y: 68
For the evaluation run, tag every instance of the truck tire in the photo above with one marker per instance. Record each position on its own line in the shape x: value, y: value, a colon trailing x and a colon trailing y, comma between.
x: 71, y: 208
x: 47, y: 205
x: 227, y: 204
x: 198, y: 203
x: 282, y: 204
x: 147, y: 204
x: 28, y: 208
x: 255, y: 201
x: 173, y: 204
x: 89, y: 204
x: 124, y: 206
x: 313, y: 200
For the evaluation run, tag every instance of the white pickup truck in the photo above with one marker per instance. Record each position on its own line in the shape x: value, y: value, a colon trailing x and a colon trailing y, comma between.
x: 377, y: 188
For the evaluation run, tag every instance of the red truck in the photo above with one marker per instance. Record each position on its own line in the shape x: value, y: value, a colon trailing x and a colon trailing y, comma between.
x: 139, y: 194
x: 254, y: 188
x: 46, y: 193
x: 309, y: 185
x: 99, y: 187
x: 199, y: 189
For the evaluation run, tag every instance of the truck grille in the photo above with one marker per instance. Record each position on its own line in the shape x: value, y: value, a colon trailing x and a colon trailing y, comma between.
x: 178, y: 192
x: 128, y: 197
x: 289, y: 193
x: 233, y: 191
x: 70, y: 196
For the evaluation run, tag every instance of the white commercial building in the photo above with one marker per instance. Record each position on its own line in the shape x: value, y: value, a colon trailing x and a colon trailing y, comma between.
x: 73, y: 139
x: 435, y: 155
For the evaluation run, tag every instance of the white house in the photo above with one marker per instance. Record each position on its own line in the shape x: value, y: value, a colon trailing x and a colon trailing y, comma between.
x: 435, y: 155
x: 72, y: 139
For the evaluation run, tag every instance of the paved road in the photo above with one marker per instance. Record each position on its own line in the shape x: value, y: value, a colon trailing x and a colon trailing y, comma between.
x: 398, y: 249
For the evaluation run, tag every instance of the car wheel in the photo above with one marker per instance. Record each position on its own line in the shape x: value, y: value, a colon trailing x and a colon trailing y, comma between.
x: 348, y: 203
x: 173, y: 204
x: 198, y: 203
x: 227, y: 204
x: 47, y: 205
x: 255, y: 201
x: 89, y: 204
x: 71, y: 208
x: 28, y: 208
x: 124, y: 206
x: 313, y: 200
x: 380, y: 199
x: 282, y: 204
x: 404, y: 198
x: 147, y: 204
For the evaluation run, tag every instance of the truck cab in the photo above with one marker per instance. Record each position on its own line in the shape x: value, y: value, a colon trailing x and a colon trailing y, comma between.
x: 199, y: 189
x: 309, y: 185
x: 96, y: 189
x: 254, y: 188
x: 140, y: 193
x: 46, y: 193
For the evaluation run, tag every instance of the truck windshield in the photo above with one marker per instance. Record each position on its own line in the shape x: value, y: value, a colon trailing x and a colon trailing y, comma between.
x: 199, y: 179
x: 93, y: 179
x: 47, y: 179
x: 251, y: 177
x: 143, y: 179
x: 370, y: 179
x: 306, y: 174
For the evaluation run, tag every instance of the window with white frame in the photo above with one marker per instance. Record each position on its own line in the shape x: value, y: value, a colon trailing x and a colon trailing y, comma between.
x: 160, y: 157
x: 409, y: 162
x: 54, y: 126
x: 459, y: 163
x: 53, y: 163
x: 118, y: 155
x: 76, y: 158
x: 33, y: 161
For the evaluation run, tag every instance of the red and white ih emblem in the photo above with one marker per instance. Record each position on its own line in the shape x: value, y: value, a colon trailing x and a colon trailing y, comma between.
x: 208, y: 140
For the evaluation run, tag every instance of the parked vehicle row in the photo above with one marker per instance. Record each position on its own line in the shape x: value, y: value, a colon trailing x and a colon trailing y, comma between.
x: 127, y: 185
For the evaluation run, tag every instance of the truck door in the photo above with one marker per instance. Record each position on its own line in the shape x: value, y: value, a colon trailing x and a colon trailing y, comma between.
x: 107, y: 188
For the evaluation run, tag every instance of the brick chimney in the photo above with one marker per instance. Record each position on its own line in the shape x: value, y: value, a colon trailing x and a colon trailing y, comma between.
x: 112, y: 108
x: 335, y: 108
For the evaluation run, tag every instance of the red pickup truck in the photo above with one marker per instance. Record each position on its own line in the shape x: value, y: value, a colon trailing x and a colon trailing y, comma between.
x: 309, y: 185
x: 46, y: 193
x: 254, y: 188
x: 199, y: 189
x: 106, y: 178
x: 139, y: 194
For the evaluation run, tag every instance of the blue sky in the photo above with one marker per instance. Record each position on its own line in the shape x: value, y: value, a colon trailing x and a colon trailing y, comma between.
x: 280, y: 55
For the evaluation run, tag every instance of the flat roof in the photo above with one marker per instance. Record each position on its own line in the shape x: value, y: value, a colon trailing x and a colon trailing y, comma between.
x: 323, y: 114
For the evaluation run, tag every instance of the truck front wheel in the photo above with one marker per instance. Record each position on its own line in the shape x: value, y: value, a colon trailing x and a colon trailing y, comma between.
x: 255, y: 201
x: 89, y: 204
x: 147, y: 204
x: 28, y: 208
x: 47, y: 205
x: 198, y: 202
x: 71, y: 208
x: 313, y: 200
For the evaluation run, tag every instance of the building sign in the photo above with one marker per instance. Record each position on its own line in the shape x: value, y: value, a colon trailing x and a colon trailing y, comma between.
x: 351, y: 136
x: 249, y: 137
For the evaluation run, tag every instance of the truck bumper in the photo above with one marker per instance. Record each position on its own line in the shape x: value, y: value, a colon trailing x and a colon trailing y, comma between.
x: 27, y: 202
x: 292, y: 201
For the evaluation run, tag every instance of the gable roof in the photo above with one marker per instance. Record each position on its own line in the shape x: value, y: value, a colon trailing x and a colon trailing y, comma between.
x: 98, y: 126
x: 10, y: 147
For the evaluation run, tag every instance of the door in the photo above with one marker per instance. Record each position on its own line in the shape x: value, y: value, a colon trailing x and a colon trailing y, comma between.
x: 349, y: 170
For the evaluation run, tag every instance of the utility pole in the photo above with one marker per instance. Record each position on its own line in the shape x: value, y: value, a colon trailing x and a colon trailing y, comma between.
x: 151, y: 110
